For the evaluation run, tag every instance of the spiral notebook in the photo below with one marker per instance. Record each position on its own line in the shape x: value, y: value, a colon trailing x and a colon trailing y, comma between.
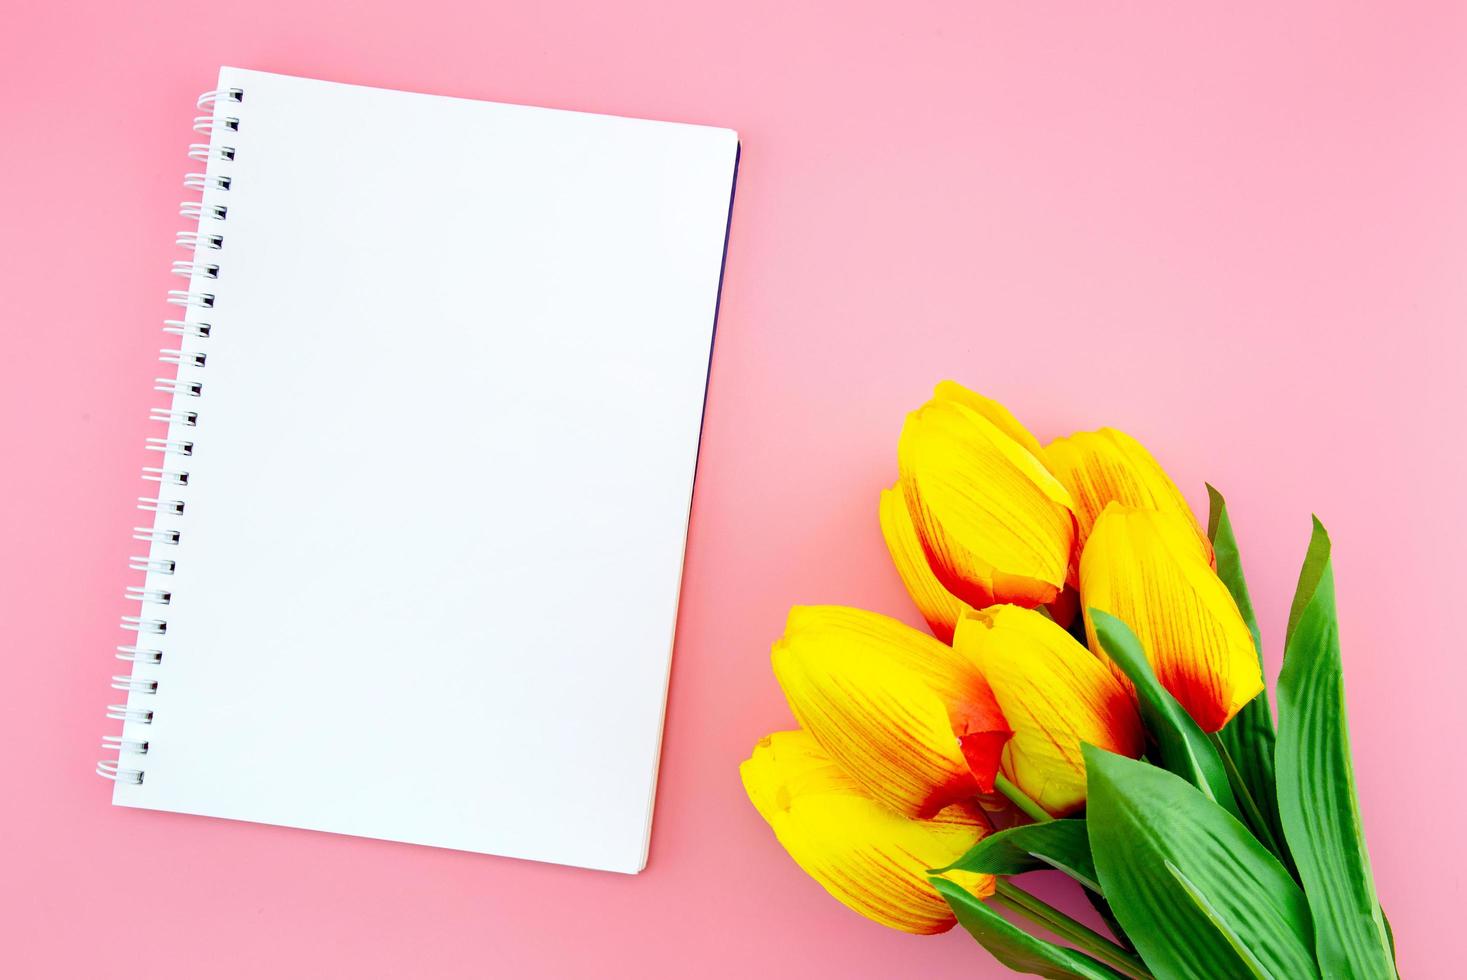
x: 412, y: 565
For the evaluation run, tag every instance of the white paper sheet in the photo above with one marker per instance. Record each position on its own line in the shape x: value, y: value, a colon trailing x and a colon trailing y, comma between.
x: 433, y: 532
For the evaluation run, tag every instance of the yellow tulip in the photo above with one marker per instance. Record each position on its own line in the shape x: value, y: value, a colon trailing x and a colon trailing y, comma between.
x: 1146, y: 568
x: 995, y: 525
x: 993, y: 412
x: 1055, y: 695
x: 1108, y: 466
x: 903, y: 713
x: 937, y: 605
x: 873, y: 860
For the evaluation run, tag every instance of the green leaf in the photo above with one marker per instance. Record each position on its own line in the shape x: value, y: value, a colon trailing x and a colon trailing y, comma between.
x: 1062, y: 845
x: 1015, y: 948
x: 1316, y: 782
x: 1255, y: 968
x: 1316, y: 559
x: 1107, y: 915
x: 1229, y: 562
x: 1249, y: 737
x: 1390, y: 936
x: 1195, y: 891
x: 1184, y: 749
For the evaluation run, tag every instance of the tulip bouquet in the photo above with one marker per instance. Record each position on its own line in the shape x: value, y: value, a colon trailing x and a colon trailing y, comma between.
x: 1090, y: 700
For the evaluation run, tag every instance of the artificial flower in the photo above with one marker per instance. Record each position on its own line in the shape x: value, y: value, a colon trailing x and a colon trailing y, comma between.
x: 906, y: 715
x: 937, y: 605
x: 870, y: 858
x: 1055, y: 695
x: 995, y: 525
x: 1147, y: 568
x: 1108, y: 466
x: 993, y: 411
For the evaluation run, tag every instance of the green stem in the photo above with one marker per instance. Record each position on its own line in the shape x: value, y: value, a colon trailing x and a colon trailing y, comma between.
x: 1043, y: 914
x: 1245, y: 798
x: 1021, y: 799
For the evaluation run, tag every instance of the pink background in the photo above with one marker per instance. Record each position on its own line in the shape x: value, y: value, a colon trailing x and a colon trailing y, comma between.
x: 1240, y: 235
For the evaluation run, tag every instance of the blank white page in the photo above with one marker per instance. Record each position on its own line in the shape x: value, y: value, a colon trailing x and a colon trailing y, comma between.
x: 428, y: 562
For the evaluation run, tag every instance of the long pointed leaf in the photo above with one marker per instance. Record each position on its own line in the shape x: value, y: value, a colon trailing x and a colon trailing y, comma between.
x: 1316, y: 782
x: 1230, y: 562
x: 1061, y: 845
x: 1015, y: 948
x: 1195, y: 891
x: 1316, y: 558
x: 1108, y: 916
x: 1185, y: 749
x: 1249, y: 737
x: 1255, y: 968
x: 1390, y: 937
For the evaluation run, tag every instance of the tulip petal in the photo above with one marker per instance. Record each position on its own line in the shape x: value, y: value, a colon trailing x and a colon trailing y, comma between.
x: 1144, y: 567
x: 1066, y: 606
x: 1108, y: 466
x: 871, y: 859
x: 993, y: 412
x: 892, y: 705
x: 937, y: 605
x: 993, y: 522
x: 1055, y: 695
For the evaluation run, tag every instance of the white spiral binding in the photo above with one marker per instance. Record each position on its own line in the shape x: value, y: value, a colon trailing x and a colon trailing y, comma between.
x: 157, y: 535
x: 203, y: 182
x: 197, y: 210
x: 175, y: 386
x: 110, y: 769
x: 195, y: 240
x: 209, y: 99
x: 175, y: 416
x: 207, y: 125
x: 123, y: 712
x: 158, y: 504
x: 118, y: 744
x: 157, y: 474
x: 186, y: 269
x: 138, y: 624
x: 184, y: 328
x: 172, y: 355
x: 182, y: 447
x: 187, y: 298
x: 140, y: 655
x: 153, y: 566
x: 134, y: 685
x: 202, y: 245
x: 203, y: 153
